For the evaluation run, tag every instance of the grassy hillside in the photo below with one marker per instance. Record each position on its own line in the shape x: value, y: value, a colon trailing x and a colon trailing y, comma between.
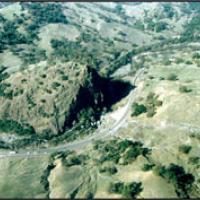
x: 64, y: 69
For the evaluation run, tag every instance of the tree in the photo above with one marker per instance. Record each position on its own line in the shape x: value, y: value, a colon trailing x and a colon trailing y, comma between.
x: 138, y: 109
x: 160, y: 26
x: 132, y: 154
x: 194, y: 160
x: 166, y: 62
x: 124, y: 144
x: 188, y: 62
x: 116, y: 187
x: 131, y: 190
x: 147, y: 167
x: 89, y: 196
x: 75, y: 160
x: 119, y: 8
x: 172, y: 77
x: 184, y: 89
x: 109, y: 170
x: 196, y: 56
x: 44, y: 178
x: 128, y: 190
x: 177, y: 175
x: 15, y: 127
x: 185, y: 148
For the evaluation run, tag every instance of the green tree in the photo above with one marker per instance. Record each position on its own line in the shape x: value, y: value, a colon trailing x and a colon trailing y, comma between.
x: 128, y: 190
x: 131, y: 190
x: 116, y: 187
x: 172, y: 77
x: 184, y: 89
x: 185, y: 148
x: 138, y: 109
x: 147, y: 167
x: 176, y: 174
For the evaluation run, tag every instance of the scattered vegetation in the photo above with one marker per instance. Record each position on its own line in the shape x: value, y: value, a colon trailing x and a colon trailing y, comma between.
x: 85, y: 116
x: 184, y: 89
x: 172, y: 77
x: 30, y: 101
x: 10, y: 35
x: 149, y: 107
x: 166, y: 62
x: 152, y: 103
x: 33, y: 55
x: 117, y: 151
x: 74, y: 160
x: 3, y: 75
x: 4, y: 145
x: 185, y: 148
x: 188, y: 62
x: 138, y: 109
x: 147, y: 167
x: 194, y: 160
x: 69, y: 50
x: 44, y: 178
x: 11, y: 126
x: 161, y: 26
x: 196, y: 56
x: 25, y: 142
x: 176, y: 175
x: 192, y: 28
x: 43, y: 14
x: 55, y: 85
x: 3, y: 91
x: 169, y: 10
x: 124, y: 151
x: 127, y: 190
x: 109, y: 170
x: 179, y: 60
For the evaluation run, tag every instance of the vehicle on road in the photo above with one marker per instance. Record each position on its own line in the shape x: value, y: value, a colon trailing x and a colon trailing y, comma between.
x: 12, y: 152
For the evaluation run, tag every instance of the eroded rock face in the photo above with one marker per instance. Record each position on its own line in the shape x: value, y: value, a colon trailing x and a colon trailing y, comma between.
x: 98, y: 94
x: 41, y: 95
x: 49, y: 97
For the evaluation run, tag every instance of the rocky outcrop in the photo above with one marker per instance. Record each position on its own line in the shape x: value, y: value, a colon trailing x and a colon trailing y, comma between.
x: 46, y: 95
x: 51, y: 97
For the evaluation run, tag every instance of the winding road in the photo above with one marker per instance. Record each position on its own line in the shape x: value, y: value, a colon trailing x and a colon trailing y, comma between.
x: 76, y: 145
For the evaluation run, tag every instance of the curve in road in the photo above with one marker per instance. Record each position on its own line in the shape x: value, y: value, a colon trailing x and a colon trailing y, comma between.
x: 99, y: 134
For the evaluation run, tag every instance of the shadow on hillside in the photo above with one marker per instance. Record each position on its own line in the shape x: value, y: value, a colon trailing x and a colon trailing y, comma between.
x: 99, y: 94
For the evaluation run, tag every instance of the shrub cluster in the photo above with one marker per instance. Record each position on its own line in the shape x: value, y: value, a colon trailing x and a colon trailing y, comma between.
x: 126, y: 150
x: 178, y: 177
x: 128, y: 190
x: 15, y: 127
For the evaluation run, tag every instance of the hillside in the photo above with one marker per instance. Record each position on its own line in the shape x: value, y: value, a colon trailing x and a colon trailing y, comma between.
x: 99, y: 100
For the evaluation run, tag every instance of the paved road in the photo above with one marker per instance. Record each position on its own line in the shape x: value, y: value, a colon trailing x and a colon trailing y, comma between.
x: 98, y: 134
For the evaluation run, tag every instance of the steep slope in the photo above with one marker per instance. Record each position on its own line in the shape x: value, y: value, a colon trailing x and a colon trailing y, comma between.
x: 41, y: 95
